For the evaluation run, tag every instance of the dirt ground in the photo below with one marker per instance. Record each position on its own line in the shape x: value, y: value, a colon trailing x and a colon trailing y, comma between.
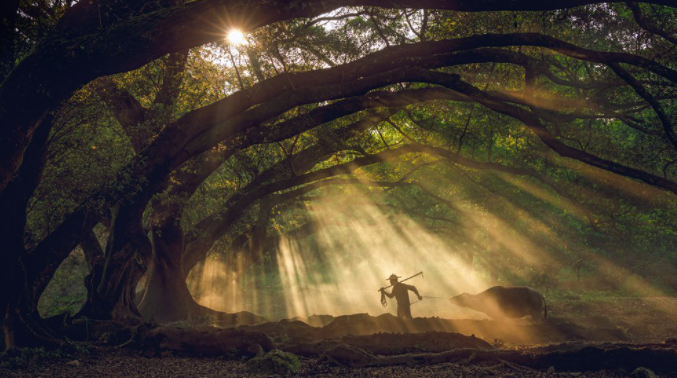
x: 633, y: 321
x: 647, y: 319
x: 128, y: 364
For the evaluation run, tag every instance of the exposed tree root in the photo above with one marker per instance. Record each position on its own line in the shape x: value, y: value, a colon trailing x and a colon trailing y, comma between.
x: 203, y: 341
x: 511, y: 366
x: 24, y: 329
x: 468, y: 360
x: 582, y: 359
x: 113, y: 332
x: 159, y: 340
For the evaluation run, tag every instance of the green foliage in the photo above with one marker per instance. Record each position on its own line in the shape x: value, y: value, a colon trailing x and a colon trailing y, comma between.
x: 570, y: 218
x: 22, y: 357
x: 19, y: 358
x: 65, y: 292
x: 641, y: 372
x: 275, y: 362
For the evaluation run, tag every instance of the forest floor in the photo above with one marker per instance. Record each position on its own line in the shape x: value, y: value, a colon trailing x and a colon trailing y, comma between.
x: 607, y: 322
x: 119, y: 363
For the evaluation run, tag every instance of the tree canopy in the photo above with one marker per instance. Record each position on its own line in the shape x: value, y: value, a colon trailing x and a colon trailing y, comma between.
x: 530, y: 137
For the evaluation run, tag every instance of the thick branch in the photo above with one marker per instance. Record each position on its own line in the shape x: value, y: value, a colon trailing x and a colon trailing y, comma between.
x: 126, y: 109
x: 648, y: 25
x: 643, y: 93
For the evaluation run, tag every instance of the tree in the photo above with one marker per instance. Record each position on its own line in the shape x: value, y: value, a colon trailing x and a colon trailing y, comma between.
x: 543, y: 102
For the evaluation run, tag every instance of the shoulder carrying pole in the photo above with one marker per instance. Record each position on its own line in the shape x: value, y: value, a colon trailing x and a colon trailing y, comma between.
x: 406, y: 279
x: 383, y: 295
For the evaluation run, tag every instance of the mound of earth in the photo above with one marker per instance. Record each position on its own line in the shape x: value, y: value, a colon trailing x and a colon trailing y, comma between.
x: 224, y: 319
x: 364, y: 324
x: 286, y: 330
x: 393, y: 344
x: 315, y: 320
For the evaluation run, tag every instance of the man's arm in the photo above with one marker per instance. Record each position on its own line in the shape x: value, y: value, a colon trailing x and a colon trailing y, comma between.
x: 389, y: 295
x: 413, y: 288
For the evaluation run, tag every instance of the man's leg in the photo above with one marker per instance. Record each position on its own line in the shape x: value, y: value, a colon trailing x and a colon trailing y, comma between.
x: 406, y: 311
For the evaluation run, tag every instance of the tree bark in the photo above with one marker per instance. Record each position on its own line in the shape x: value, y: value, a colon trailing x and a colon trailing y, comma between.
x: 24, y: 106
x: 167, y: 297
x: 95, y: 258
x: 75, y: 54
x: 22, y: 325
x: 127, y: 252
x: 174, y: 145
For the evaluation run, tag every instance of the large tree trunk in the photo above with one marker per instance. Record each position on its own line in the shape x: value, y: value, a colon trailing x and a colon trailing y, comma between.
x: 22, y: 325
x: 95, y: 258
x: 167, y: 297
x: 125, y: 262
x: 12, y: 274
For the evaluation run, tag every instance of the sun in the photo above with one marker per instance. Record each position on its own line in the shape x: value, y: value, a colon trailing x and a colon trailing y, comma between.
x: 236, y: 37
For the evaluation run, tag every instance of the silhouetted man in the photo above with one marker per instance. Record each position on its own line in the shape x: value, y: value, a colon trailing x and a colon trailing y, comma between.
x: 401, y: 293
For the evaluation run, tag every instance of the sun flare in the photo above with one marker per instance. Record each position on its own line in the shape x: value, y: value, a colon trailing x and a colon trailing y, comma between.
x: 236, y: 37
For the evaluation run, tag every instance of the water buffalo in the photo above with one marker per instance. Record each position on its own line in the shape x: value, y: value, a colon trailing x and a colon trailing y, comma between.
x: 505, y: 302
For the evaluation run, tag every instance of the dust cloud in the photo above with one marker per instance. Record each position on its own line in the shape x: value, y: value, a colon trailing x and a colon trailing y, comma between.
x: 354, y: 249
